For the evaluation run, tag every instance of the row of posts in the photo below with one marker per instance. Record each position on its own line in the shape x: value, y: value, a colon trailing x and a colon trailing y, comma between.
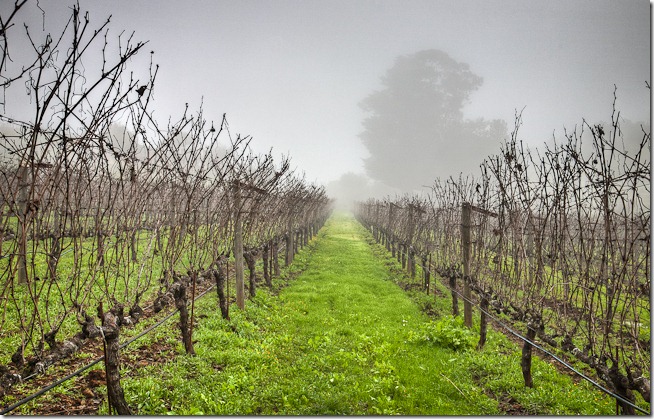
x: 405, y: 254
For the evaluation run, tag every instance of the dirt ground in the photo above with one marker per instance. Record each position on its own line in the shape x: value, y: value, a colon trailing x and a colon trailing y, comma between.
x: 88, y: 391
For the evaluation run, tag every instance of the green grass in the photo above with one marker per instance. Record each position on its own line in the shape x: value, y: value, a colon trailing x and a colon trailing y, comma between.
x: 78, y: 273
x: 496, y: 368
x: 343, y: 338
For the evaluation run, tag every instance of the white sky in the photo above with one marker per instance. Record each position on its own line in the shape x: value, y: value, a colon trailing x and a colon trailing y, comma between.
x: 291, y: 73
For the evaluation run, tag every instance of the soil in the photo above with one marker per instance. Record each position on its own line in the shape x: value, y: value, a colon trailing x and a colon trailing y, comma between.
x: 85, y: 396
x: 88, y: 391
x: 511, y: 407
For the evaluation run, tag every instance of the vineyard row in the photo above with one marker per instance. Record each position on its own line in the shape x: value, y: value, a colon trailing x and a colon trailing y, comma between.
x: 104, y: 209
x: 557, y: 241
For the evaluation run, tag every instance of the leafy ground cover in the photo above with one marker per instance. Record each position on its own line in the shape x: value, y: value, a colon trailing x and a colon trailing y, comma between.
x: 339, y: 337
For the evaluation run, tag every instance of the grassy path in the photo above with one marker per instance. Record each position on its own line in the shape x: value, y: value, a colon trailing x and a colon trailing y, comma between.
x: 349, y: 352
x: 340, y: 339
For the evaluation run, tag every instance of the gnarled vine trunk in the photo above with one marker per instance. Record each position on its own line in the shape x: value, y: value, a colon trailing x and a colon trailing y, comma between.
x: 525, y: 362
x: 250, y: 260
x: 179, y: 292
x: 111, y: 333
x: 266, y: 265
x: 219, y: 277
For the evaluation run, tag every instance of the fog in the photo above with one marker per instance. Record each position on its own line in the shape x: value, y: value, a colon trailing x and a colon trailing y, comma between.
x: 374, y: 97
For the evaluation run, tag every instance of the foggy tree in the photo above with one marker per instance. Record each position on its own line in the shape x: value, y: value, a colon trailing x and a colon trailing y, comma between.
x: 349, y: 188
x: 415, y: 130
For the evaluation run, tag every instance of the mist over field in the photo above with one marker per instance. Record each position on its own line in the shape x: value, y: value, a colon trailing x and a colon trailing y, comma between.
x: 339, y: 86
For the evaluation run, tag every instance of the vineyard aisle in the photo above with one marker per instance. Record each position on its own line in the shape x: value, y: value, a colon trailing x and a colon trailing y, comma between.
x: 341, y: 338
x: 335, y: 341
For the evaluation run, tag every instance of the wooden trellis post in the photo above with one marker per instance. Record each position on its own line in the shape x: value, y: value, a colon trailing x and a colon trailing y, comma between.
x: 23, y: 198
x: 466, y: 245
x: 238, y: 250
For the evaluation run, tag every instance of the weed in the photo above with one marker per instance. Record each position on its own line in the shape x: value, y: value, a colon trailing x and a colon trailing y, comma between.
x: 447, y: 332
